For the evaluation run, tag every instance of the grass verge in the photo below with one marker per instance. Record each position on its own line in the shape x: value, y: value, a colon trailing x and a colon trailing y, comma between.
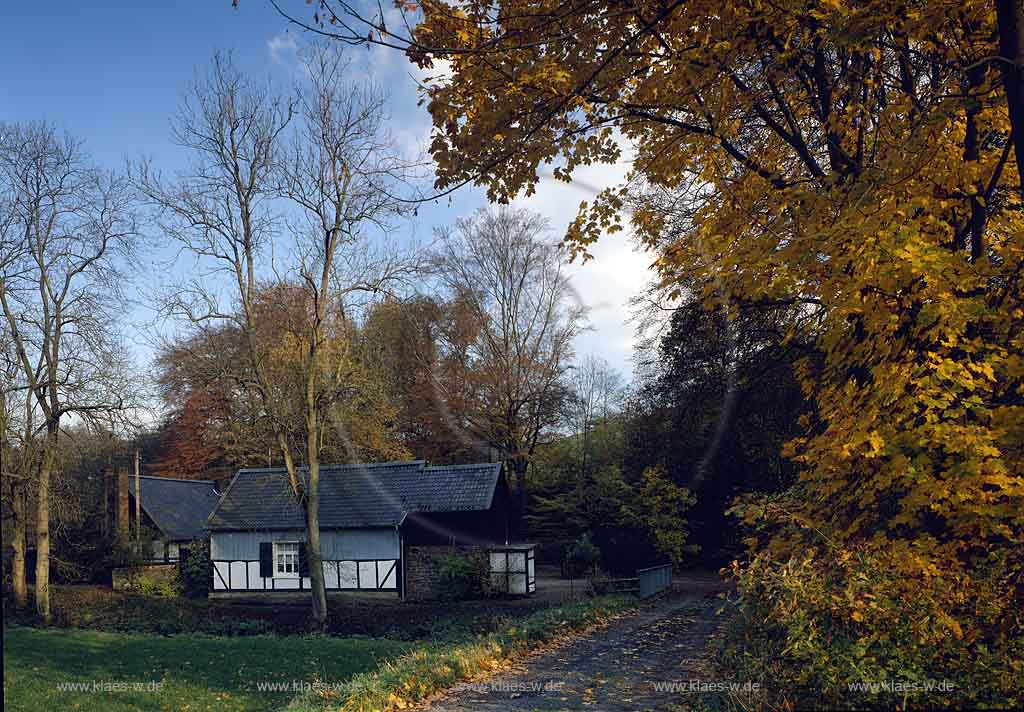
x: 47, y: 669
x: 426, y: 670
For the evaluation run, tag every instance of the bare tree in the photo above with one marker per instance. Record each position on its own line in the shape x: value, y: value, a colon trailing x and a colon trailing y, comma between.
x: 17, y: 436
x: 597, y: 392
x: 18, y: 454
x: 502, y: 267
x: 68, y: 228
x: 334, y: 175
x: 341, y: 171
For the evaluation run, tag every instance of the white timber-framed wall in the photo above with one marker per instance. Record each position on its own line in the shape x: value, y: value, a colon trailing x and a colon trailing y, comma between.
x: 353, y: 560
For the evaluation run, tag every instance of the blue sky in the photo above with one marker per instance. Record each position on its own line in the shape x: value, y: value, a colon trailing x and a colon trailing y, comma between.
x: 112, y: 73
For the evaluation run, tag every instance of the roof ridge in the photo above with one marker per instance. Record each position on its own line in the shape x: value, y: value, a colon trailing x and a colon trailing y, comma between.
x: 171, y: 479
x: 348, y: 465
x: 390, y: 463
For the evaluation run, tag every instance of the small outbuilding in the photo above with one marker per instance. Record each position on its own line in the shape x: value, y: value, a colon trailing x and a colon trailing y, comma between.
x: 173, y: 510
x: 383, y: 527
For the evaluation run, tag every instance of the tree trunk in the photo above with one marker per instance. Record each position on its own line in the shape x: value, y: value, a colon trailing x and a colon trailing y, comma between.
x: 43, y: 527
x: 19, y: 505
x: 317, y: 585
x: 15, y: 484
x: 1010, y: 18
x: 316, y: 565
x: 519, y: 467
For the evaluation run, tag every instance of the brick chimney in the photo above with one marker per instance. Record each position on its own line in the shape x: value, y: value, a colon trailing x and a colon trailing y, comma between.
x: 122, y: 503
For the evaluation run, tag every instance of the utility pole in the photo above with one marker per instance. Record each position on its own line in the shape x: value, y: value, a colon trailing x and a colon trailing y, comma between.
x: 138, y: 504
x: 108, y: 474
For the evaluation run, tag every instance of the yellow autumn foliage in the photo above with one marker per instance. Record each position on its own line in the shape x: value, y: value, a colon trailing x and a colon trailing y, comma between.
x: 850, y: 165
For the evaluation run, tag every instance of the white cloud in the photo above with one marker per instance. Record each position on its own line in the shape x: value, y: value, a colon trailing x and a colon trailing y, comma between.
x: 280, y: 45
x: 606, y: 283
x: 439, y: 72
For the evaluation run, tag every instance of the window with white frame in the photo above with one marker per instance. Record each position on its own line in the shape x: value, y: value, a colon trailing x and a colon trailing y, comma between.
x: 286, y: 559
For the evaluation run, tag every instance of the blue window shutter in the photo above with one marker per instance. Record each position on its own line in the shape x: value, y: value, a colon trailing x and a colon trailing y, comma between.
x: 303, y: 560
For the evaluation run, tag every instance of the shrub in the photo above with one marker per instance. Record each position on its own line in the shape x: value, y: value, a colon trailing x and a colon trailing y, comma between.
x: 154, y: 581
x: 195, y: 569
x: 101, y: 608
x: 873, y: 628
x: 465, y: 575
x: 582, y: 556
x: 159, y: 586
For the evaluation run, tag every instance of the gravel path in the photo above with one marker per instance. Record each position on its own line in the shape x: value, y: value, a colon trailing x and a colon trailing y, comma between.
x: 616, y: 667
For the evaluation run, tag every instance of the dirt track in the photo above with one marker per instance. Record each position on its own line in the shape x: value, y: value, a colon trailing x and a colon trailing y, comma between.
x: 622, y: 666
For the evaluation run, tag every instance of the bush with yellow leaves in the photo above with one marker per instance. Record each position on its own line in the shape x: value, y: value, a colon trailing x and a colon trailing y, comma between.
x: 875, y: 627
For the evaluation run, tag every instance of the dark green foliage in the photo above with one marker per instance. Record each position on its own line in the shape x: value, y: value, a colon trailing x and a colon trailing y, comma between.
x: 195, y: 569
x: 552, y: 552
x: 717, y: 403
x: 582, y: 556
x: 580, y: 490
x: 466, y: 574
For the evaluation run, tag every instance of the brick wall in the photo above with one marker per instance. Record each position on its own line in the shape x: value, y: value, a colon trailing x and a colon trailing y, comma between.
x: 423, y: 570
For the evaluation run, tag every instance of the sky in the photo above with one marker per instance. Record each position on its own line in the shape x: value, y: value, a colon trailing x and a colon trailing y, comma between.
x: 112, y: 73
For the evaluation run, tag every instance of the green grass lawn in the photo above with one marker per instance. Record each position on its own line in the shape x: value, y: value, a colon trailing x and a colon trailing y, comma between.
x: 191, y: 672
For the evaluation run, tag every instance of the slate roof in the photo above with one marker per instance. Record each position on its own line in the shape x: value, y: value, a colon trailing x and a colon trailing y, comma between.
x: 179, y: 508
x: 353, y: 496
